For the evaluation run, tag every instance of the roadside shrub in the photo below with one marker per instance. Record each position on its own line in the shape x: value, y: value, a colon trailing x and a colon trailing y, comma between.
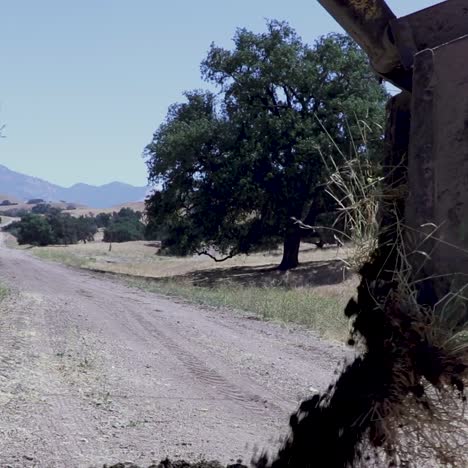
x: 35, y: 230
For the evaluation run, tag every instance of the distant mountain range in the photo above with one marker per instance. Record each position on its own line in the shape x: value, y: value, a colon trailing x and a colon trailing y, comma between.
x: 24, y: 187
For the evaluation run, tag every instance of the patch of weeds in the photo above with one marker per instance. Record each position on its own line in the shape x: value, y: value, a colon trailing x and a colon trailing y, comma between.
x: 60, y: 256
x: 136, y: 423
x: 101, y: 399
x: 3, y: 292
x: 303, y: 306
x: 85, y: 364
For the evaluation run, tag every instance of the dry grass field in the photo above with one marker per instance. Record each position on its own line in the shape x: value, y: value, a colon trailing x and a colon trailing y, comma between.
x: 141, y: 258
x: 85, y: 211
x: 80, y: 210
x: 6, y: 220
x: 314, y: 294
x: 22, y: 205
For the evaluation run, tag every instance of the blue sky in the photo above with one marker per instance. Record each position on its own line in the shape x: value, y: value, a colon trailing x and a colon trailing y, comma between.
x: 83, y: 85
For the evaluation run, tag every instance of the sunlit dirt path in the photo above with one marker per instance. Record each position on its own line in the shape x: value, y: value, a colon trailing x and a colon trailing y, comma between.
x: 94, y: 372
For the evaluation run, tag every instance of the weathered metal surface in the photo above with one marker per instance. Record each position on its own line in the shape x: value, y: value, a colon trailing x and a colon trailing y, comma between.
x: 429, y: 28
x: 395, y: 164
x: 438, y: 164
x: 431, y: 48
x: 367, y: 21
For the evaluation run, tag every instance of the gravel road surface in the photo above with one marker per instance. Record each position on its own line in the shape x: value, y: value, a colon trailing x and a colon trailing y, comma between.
x: 94, y: 372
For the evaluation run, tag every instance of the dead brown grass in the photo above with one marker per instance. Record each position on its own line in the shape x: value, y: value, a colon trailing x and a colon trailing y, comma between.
x: 141, y: 258
x: 85, y: 211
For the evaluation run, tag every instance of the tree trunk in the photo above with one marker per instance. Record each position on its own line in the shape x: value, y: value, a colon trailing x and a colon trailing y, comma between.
x: 292, y: 241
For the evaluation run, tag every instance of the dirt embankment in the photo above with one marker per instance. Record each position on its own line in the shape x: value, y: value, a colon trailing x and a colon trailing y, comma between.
x: 93, y: 372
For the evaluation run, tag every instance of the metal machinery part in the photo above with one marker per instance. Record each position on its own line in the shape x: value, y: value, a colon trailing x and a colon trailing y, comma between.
x: 391, y: 43
x: 425, y: 53
x: 367, y: 22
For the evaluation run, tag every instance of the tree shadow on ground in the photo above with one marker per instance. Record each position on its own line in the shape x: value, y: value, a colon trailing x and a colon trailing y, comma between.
x: 313, y: 273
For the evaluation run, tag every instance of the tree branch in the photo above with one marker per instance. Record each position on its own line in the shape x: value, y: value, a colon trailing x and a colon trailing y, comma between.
x: 217, y: 260
x: 304, y: 226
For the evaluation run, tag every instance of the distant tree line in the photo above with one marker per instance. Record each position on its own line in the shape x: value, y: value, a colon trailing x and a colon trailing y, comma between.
x: 35, y: 201
x: 47, y: 225
x: 53, y: 227
x: 7, y: 203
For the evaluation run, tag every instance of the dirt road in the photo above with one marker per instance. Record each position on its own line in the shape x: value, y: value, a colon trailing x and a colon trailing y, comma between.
x: 94, y: 372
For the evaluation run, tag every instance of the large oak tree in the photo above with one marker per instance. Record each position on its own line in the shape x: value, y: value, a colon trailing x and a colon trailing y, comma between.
x: 232, y: 169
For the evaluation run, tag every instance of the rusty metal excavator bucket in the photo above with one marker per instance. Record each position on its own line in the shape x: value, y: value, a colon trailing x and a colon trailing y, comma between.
x: 367, y: 22
x: 425, y: 53
x: 391, y: 43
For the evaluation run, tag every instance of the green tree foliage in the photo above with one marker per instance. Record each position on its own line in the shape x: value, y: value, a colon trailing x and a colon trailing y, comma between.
x: 86, y: 228
x: 35, y: 201
x: 234, y: 170
x: 103, y: 219
x: 70, y: 230
x: 34, y: 229
x: 124, y: 226
x: 41, y: 208
x: 53, y: 228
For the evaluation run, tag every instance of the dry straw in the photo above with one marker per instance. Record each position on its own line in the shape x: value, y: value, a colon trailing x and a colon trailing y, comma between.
x: 354, y: 184
x: 422, y: 418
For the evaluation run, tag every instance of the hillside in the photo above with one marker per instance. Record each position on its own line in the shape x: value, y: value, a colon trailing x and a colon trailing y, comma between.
x: 85, y: 211
x: 5, y: 196
x: 17, y: 186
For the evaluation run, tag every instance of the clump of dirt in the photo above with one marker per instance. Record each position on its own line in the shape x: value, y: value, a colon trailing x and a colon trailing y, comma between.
x: 402, y: 400
x: 179, y: 464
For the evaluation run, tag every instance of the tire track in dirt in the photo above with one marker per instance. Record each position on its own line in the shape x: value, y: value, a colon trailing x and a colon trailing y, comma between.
x: 95, y: 372
x: 208, y: 377
x: 205, y: 374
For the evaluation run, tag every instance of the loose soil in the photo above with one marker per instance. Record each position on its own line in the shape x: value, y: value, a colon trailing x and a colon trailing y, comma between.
x: 93, y: 372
